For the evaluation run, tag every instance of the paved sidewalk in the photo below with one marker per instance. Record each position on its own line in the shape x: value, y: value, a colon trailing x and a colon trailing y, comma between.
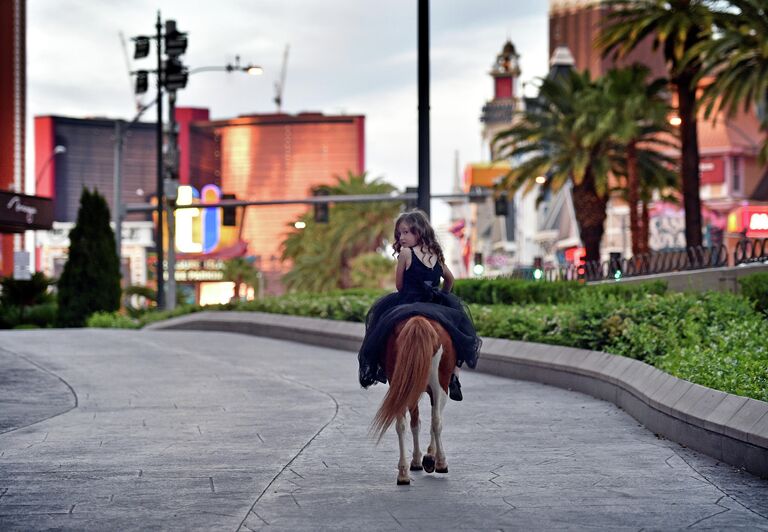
x: 108, y: 430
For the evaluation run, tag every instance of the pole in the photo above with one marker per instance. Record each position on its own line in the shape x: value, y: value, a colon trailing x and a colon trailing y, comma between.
x: 117, y: 209
x: 423, y: 54
x: 160, y: 192
x: 173, y: 159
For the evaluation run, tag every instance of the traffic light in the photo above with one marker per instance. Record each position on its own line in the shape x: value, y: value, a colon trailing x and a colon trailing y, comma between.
x: 538, y: 268
x: 175, y: 41
x: 479, y: 267
x: 174, y: 74
x: 321, y: 209
x: 229, y: 214
x: 142, y: 47
x: 142, y: 82
x: 501, y: 205
x: 614, y: 265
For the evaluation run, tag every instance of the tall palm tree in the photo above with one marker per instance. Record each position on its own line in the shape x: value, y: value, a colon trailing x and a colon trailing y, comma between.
x: 676, y: 26
x: 559, y: 136
x: 322, y: 254
x: 737, y: 58
x: 636, y: 118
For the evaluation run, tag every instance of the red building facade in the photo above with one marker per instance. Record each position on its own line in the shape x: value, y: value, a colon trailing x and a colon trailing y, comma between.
x: 273, y: 157
x: 12, y: 105
x: 256, y: 158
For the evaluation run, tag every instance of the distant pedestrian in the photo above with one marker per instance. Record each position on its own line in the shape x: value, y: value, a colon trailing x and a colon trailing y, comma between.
x: 420, y: 268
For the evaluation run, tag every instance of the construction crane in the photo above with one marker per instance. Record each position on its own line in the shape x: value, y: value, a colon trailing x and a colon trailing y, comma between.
x: 280, y: 84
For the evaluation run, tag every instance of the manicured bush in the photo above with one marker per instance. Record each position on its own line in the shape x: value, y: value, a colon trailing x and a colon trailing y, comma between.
x: 18, y: 297
x: 90, y: 281
x: 111, y: 320
x: 524, y: 292
x: 755, y: 287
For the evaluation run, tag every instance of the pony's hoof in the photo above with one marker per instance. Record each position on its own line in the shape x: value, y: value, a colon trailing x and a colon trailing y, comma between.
x: 429, y: 464
x: 405, y: 482
x: 416, y: 467
x: 441, y: 469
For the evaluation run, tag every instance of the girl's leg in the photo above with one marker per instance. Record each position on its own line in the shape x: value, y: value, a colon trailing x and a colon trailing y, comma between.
x: 454, y: 387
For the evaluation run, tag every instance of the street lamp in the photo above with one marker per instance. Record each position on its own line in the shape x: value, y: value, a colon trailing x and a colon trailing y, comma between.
x: 30, y: 242
x: 57, y: 150
x: 250, y: 68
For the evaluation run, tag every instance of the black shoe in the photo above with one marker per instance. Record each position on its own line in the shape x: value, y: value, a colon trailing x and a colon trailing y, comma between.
x: 454, y: 389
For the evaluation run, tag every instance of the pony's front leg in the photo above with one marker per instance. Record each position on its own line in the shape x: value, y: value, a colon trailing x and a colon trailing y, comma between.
x: 415, y: 425
x: 402, y: 466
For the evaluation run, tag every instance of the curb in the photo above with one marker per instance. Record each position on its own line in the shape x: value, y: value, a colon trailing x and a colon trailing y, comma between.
x: 729, y: 428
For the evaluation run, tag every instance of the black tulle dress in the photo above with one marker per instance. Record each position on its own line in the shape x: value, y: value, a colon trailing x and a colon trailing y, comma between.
x: 420, y: 295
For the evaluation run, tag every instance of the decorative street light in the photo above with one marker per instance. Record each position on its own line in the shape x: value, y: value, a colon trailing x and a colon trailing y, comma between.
x: 57, y: 150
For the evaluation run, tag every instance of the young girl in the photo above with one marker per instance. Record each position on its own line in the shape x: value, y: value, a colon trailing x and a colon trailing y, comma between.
x: 420, y: 266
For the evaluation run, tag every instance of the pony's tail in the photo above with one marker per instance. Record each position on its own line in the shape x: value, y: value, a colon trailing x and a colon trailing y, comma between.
x: 416, y: 344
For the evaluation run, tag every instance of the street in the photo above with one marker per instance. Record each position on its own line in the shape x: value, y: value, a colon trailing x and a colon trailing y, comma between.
x: 139, y: 430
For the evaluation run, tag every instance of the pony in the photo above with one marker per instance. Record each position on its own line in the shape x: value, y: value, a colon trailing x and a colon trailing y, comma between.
x: 419, y: 358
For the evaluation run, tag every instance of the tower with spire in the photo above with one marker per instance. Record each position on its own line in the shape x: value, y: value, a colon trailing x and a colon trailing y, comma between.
x: 497, y: 113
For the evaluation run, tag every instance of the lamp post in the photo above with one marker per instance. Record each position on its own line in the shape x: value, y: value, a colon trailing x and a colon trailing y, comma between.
x: 31, y: 241
x: 56, y: 151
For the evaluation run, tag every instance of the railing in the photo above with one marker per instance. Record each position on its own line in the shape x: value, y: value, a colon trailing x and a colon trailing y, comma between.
x: 695, y: 258
x: 747, y: 251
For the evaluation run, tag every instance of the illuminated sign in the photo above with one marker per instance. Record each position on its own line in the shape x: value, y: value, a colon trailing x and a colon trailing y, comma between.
x: 198, y: 230
x: 758, y: 221
x: 750, y: 218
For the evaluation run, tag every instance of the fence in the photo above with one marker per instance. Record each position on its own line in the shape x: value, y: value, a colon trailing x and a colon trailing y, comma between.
x: 695, y: 258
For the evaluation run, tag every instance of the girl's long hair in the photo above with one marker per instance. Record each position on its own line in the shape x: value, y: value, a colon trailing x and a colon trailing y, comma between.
x: 417, y: 221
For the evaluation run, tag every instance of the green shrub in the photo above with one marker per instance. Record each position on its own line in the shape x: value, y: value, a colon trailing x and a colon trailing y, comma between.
x: 42, y: 315
x: 524, y: 292
x: 111, y: 320
x: 755, y: 287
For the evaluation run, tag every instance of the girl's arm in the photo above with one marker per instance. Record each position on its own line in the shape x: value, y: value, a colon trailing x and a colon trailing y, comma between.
x: 447, y: 279
x: 403, y: 262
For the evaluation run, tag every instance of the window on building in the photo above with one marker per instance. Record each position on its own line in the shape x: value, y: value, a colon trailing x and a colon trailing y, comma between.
x: 736, y: 174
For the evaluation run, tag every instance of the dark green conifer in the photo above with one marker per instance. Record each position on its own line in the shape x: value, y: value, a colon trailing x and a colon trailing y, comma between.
x: 91, y: 278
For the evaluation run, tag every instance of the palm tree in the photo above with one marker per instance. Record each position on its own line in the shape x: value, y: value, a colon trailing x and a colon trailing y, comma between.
x: 322, y: 254
x: 677, y: 26
x: 241, y: 272
x: 738, y: 60
x: 559, y: 136
x: 636, y: 118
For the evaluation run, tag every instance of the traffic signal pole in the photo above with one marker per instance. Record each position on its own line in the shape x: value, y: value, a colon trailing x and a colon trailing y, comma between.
x: 423, y: 68
x: 173, y: 175
x: 160, y: 187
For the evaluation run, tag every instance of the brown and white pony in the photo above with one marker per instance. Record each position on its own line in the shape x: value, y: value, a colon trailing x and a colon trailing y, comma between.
x: 419, y: 357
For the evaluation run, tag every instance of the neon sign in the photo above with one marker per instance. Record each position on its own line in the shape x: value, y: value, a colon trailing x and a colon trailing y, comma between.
x: 749, y: 219
x: 758, y: 221
x: 198, y: 230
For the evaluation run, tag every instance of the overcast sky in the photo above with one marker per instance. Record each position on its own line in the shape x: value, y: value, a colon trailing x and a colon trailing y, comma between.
x: 346, y: 56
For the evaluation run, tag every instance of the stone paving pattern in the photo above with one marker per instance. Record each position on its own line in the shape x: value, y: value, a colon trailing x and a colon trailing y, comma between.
x: 144, y: 430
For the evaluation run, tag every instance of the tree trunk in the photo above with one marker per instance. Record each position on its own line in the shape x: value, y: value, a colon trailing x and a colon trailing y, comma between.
x: 633, y: 196
x: 590, y: 215
x: 645, y: 226
x: 689, y: 148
